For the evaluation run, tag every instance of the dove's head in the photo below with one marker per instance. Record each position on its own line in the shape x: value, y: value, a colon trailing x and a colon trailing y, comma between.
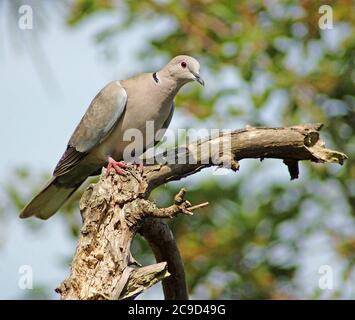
x: 184, y: 69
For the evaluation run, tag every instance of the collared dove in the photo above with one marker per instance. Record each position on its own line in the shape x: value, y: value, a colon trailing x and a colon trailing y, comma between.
x: 99, y: 137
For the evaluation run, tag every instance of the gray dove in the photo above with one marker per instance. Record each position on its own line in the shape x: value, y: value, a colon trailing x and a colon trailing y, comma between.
x: 98, y: 140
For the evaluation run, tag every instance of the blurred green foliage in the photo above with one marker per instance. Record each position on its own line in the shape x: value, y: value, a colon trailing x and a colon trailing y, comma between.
x: 84, y: 8
x: 247, y: 243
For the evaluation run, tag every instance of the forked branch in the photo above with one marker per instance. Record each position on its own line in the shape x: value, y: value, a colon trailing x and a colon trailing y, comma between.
x: 116, y: 208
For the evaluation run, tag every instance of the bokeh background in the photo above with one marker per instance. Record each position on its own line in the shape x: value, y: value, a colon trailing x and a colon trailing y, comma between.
x: 265, y: 63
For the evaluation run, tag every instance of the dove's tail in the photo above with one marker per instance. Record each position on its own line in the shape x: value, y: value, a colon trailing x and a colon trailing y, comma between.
x: 47, y: 202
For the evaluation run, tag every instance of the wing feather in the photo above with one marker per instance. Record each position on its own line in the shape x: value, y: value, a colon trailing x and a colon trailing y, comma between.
x: 100, y: 118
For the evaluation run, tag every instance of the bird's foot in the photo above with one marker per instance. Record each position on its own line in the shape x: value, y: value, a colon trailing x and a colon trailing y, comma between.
x: 117, y: 166
x: 139, y: 166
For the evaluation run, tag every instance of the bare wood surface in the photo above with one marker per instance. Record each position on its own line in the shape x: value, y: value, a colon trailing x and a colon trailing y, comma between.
x: 116, y: 208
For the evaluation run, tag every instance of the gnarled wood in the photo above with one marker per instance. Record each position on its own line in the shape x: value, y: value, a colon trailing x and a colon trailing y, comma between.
x: 116, y: 208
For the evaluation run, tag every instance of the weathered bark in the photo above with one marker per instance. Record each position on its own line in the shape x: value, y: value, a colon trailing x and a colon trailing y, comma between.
x: 116, y: 208
x: 162, y: 242
x: 112, y: 212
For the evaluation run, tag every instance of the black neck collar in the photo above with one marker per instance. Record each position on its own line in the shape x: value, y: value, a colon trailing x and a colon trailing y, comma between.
x: 155, y: 77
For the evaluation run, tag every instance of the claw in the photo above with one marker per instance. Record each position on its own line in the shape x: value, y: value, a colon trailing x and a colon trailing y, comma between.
x: 117, y: 166
x: 140, y: 166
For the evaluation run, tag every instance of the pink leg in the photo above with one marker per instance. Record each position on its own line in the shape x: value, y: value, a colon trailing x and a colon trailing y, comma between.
x: 116, y: 165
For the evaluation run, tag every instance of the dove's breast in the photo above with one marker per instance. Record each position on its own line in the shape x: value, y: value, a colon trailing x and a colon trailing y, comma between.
x: 147, y: 109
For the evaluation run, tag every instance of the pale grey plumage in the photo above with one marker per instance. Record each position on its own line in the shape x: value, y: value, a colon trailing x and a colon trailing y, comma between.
x: 118, y: 107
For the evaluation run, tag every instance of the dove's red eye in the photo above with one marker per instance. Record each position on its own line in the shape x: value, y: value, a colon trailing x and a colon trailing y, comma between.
x: 183, y: 64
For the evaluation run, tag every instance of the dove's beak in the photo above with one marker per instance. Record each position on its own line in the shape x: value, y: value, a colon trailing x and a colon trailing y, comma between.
x: 198, y: 78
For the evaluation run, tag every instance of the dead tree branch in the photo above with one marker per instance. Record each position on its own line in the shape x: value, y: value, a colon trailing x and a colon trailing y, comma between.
x: 116, y: 208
